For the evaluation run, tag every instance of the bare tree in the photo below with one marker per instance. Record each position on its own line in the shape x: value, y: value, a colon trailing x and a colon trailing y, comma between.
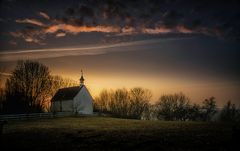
x: 194, y: 112
x: 165, y: 107
x: 172, y: 107
x: 139, y: 102
x: 28, y: 87
x: 230, y: 113
x: 124, y: 103
x: 119, y: 103
x: 209, y: 108
x: 102, y: 102
x: 182, y: 108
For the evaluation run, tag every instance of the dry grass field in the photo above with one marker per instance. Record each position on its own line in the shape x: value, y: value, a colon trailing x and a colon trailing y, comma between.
x: 105, y: 133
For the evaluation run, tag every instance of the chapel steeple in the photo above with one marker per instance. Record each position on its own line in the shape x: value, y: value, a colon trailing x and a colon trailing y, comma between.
x: 81, y: 79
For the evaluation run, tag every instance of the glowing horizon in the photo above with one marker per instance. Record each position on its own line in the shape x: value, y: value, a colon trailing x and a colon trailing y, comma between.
x: 159, y: 86
x: 156, y: 45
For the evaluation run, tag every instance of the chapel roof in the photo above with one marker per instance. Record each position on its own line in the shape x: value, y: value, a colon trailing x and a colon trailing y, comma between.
x: 67, y: 93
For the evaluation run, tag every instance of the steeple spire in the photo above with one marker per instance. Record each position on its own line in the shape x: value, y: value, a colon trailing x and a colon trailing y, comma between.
x: 81, y: 79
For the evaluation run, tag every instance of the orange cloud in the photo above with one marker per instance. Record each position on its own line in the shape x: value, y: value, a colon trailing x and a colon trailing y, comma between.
x: 164, y: 30
x: 60, y: 29
x: 157, y: 30
x: 44, y: 15
x: 183, y: 29
x: 29, y: 39
x: 30, y: 36
x: 33, y: 40
x: 60, y: 34
x: 30, y: 21
x: 128, y: 31
x: 78, y: 29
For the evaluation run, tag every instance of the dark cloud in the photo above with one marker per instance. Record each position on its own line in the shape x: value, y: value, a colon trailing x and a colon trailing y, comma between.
x: 70, y: 11
x: 124, y: 17
x: 86, y: 11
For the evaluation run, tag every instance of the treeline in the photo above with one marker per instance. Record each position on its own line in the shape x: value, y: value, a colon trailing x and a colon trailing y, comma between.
x: 30, y: 88
x: 123, y: 103
x: 135, y: 103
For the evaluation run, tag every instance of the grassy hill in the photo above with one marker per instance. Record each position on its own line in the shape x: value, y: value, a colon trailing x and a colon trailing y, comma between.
x: 103, y: 133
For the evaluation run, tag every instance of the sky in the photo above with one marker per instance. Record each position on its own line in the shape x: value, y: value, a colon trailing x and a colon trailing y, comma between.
x: 167, y: 46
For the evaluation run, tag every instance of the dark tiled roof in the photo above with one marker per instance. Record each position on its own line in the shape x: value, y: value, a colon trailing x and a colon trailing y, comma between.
x: 66, y: 93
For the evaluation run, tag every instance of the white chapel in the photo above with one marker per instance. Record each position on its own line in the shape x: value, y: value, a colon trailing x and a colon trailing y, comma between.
x: 73, y: 99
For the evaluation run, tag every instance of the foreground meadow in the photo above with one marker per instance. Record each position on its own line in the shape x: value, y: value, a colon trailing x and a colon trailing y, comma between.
x: 105, y: 133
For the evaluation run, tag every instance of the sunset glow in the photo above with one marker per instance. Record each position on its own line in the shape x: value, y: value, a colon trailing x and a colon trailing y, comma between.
x: 167, y: 48
x: 119, y: 75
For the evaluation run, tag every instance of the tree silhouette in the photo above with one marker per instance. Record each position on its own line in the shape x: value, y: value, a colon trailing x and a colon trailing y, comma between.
x: 182, y: 108
x: 230, y: 113
x: 194, y: 112
x: 102, y: 102
x: 124, y: 103
x: 28, y: 87
x: 172, y: 107
x: 165, y: 107
x: 209, y: 108
x: 139, y: 102
x: 119, y: 103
